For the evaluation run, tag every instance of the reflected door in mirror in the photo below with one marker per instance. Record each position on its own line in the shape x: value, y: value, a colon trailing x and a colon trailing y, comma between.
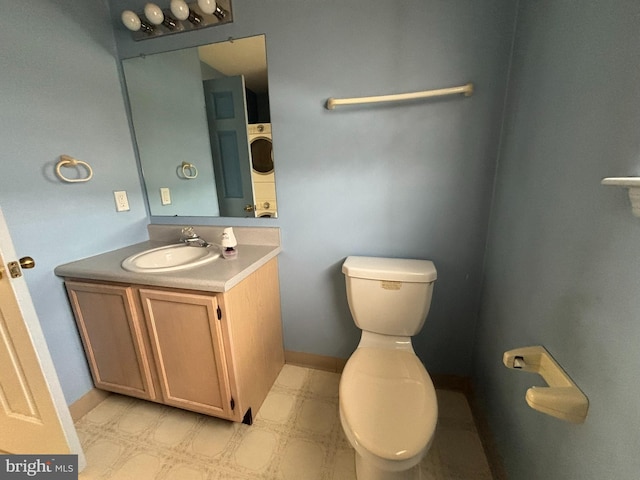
x: 227, y: 118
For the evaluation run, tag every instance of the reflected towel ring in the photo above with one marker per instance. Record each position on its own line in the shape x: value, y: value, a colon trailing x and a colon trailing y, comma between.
x: 67, y: 161
x: 189, y: 170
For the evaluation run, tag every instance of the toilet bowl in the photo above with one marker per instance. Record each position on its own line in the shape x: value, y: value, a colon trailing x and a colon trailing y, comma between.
x: 388, y: 406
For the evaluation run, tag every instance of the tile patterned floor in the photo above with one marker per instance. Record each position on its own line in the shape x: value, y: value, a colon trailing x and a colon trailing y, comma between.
x: 295, y: 436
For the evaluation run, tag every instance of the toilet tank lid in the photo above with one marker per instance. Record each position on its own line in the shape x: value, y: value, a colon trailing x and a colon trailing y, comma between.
x: 393, y: 269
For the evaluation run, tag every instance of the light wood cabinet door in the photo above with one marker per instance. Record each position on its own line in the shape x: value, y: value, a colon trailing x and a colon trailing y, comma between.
x: 111, y: 332
x: 187, y: 345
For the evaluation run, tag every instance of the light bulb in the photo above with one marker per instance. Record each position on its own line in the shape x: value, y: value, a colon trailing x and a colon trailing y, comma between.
x: 212, y: 8
x: 154, y: 13
x: 180, y: 9
x: 207, y: 6
x: 131, y: 20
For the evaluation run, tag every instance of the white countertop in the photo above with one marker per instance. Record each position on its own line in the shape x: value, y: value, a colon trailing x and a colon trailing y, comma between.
x: 219, y: 275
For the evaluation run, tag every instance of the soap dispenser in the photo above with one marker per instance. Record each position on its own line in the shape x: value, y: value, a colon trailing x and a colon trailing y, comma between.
x: 229, y: 243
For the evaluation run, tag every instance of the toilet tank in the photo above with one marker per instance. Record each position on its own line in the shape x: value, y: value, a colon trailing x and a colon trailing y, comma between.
x: 390, y: 296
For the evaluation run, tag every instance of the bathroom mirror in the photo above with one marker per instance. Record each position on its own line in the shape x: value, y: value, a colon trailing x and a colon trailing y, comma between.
x: 202, y: 127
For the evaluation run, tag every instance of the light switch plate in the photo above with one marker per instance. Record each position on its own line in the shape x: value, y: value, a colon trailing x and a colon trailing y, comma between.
x: 165, y: 195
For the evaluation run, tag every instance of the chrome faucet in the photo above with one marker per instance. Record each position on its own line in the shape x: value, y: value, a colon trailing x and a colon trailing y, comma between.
x: 191, y: 238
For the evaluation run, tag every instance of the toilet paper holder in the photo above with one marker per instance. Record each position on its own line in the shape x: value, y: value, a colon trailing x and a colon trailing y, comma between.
x: 562, y: 398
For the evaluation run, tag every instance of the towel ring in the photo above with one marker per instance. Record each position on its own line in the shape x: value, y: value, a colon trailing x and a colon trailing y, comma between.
x: 67, y: 161
x: 189, y: 170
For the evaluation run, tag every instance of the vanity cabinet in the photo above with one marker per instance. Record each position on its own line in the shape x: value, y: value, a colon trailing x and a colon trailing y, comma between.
x: 113, y: 334
x: 188, y: 349
x: 213, y: 353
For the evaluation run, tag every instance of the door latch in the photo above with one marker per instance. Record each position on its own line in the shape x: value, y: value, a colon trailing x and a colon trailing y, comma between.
x: 24, y: 262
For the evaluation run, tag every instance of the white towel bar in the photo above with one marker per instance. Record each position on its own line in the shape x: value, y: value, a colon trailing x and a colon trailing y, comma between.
x: 466, y: 90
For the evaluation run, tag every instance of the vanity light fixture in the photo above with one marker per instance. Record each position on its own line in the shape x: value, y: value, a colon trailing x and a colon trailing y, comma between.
x: 180, y: 16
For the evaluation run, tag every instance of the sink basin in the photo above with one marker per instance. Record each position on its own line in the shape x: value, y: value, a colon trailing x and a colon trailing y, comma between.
x: 169, y: 258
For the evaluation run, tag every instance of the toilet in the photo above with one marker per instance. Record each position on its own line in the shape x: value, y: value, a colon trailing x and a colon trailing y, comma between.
x: 388, y: 406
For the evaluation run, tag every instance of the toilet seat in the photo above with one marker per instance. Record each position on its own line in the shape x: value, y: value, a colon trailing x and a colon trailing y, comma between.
x: 388, y: 405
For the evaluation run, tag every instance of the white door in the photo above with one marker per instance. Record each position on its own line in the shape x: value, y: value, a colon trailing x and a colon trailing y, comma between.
x: 34, y: 417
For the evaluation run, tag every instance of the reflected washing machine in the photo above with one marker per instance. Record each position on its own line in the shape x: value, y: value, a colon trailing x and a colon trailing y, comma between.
x: 262, y: 172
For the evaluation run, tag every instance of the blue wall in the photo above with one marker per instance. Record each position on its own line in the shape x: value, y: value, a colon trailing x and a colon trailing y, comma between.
x: 563, y: 268
x: 410, y: 180
x: 61, y: 95
x: 415, y: 180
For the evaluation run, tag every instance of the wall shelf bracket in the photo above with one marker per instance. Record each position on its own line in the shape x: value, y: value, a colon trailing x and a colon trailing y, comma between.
x: 633, y: 184
x: 562, y: 398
